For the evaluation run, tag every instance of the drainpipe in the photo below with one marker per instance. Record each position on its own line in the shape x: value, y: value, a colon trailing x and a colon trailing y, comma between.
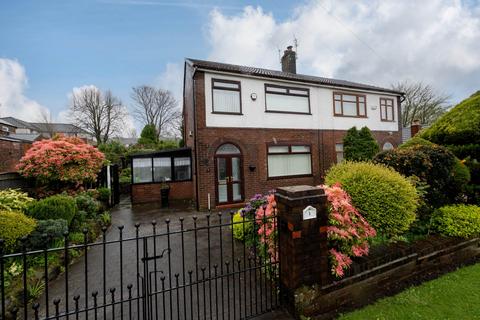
x: 195, y: 137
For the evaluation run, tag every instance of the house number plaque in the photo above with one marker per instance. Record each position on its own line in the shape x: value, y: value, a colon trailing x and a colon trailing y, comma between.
x: 309, y: 213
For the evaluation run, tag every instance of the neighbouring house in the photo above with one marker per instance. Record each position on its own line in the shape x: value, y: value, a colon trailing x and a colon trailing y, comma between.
x: 251, y: 130
x: 48, y: 130
x: 6, y: 128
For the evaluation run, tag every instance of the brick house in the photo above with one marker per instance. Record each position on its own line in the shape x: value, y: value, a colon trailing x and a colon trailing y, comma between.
x: 252, y: 129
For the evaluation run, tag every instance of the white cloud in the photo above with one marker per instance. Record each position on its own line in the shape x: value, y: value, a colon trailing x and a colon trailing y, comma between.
x: 378, y: 42
x: 172, y: 79
x: 13, y: 102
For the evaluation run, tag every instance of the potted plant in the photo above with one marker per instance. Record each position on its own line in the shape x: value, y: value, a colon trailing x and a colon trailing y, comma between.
x: 164, y: 192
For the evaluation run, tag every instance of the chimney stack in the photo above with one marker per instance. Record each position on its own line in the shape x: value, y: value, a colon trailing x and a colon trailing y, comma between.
x: 289, y: 60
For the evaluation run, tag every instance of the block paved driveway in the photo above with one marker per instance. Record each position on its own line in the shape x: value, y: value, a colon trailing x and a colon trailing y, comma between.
x: 197, y: 300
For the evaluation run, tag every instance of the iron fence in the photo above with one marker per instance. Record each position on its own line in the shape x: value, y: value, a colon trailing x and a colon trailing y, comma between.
x: 190, y: 268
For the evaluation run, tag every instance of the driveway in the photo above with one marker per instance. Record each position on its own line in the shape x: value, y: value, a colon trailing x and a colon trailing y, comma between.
x: 186, y: 272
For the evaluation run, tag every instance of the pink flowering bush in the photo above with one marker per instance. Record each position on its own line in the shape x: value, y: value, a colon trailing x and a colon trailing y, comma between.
x: 347, y: 232
x: 267, y: 228
x: 61, y: 159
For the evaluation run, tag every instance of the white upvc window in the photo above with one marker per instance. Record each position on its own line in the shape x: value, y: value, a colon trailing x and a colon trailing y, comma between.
x: 289, y: 161
x: 226, y: 96
x: 287, y: 99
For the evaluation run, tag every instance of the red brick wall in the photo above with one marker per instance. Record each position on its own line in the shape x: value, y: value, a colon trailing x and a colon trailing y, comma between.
x: 253, y: 144
x: 10, y: 153
x: 150, y: 192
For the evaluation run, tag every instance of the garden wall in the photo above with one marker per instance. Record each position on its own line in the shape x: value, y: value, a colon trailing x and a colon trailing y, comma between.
x: 10, y: 153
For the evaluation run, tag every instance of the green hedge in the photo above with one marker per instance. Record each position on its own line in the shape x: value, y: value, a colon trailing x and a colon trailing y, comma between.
x: 384, y: 197
x: 54, y: 207
x: 359, y: 145
x: 241, y: 231
x: 457, y: 220
x: 14, y: 226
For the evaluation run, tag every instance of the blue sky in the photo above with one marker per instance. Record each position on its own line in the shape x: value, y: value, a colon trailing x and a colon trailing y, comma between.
x: 116, y: 44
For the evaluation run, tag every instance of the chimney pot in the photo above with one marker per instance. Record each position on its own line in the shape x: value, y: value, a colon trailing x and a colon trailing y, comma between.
x: 289, y: 60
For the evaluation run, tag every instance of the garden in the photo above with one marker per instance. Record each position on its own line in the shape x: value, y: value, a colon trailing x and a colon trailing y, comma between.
x: 388, y: 203
x: 62, y: 210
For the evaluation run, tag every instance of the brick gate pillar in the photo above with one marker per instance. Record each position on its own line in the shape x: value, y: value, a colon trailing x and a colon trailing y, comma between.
x: 303, y: 251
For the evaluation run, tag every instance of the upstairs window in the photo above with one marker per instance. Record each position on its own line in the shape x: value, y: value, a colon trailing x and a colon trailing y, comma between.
x: 226, y: 96
x: 386, y: 109
x: 289, y: 161
x: 349, y: 105
x: 287, y: 99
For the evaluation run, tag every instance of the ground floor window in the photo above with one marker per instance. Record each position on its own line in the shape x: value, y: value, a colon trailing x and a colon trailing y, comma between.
x: 339, y: 152
x: 289, y: 160
x: 161, y: 168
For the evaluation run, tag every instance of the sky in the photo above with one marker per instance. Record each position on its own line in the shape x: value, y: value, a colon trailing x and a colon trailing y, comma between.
x: 50, y: 48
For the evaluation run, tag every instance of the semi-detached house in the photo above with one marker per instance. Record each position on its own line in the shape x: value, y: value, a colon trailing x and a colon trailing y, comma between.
x: 251, y: 130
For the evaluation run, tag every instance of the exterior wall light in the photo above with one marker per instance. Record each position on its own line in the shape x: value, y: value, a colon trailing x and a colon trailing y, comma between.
x: 253, y: 96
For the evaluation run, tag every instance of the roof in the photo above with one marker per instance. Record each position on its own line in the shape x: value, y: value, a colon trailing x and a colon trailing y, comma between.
x: 57, y: 127
x: 30, y: 137
x: 16, y: 122
x: 5, y: 122
x: 184, y: 151
x: 274, y: 74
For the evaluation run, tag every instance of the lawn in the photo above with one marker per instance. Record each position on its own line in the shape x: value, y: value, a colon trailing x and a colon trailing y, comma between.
x: 452, y: 296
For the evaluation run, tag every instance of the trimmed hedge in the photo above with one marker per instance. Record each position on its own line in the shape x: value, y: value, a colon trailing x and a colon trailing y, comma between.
x: 14, y: 225
x: 55, y: 207
x: 359, y: 145
x: 457, y: 220
x: 384, y: 197
x: 434, y: 165
x: 415, y: 141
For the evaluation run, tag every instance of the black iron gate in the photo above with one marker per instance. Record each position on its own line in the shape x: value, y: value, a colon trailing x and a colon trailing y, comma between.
x: 192, y: 268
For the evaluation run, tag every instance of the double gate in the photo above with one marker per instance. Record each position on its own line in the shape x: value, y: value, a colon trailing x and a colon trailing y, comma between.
x: 192, y: 268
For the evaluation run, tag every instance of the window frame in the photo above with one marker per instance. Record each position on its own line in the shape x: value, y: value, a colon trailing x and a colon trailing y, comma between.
x: 307, y: 90
x: 289, y: 145
x: 357, y: 102
x: 239, y: 90
x: 172, y: 168
x: 384, y: 105
x: 339, y: 152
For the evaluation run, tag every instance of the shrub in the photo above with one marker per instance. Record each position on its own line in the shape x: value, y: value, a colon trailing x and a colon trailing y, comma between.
x: 359, y: 145
x: 65, y: 159
x: 54, y: 207
x: 87, y: 203
x: 14, y: 225
x: 385, y: 198
x: 14, y: 200
x: 113, y: 151
x: 126, y: 176
x: 105, y: 218
x: 243, y: 231
x: 348, y: 232
x: 434, y: 165
x: 52, y: 228
x: 148, y: 136
x: 457, y: 220
x: 415, y: 141
x: 104, y: 194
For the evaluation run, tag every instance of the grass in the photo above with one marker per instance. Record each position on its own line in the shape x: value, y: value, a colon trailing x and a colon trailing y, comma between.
x: 453, y: 296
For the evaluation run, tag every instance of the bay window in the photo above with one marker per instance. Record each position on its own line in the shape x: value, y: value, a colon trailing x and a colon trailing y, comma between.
x: 289, y: 160
x: 286, y: 99
x: 226, y: 96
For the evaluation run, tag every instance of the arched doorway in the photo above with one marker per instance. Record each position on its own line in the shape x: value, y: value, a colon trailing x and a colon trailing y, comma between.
x: 228, y: 174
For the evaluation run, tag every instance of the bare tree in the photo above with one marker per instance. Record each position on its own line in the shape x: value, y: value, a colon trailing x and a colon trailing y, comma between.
x: 155, y: 106
x: 422, y: 103
x: 46, y: 123
x: 99, y: 113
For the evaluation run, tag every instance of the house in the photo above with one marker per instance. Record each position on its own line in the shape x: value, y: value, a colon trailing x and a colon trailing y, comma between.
x: 6, y: 128
x: 46, y: 130
x: 251, y: 130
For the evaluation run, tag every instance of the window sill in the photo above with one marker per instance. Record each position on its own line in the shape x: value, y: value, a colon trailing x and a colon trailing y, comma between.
x: 387, y: 120
x: 228, y: 113
x: 289, y: 112
x: 290, y: 177
x: 343, y: 116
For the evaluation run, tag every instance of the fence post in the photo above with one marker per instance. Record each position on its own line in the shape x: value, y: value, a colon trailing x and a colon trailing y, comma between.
x: 302, y: 216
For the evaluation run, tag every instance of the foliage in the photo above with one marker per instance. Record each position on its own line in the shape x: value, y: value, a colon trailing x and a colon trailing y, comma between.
x: 76, y: 238
x: 87, y: 203
x: 35, y: 289
x: 267, y: 229
x: 359, y: 145
x: 113, y: 151
x: 66, y: 159
x: 243, y: 228
x: 104, y: 194
x: 55, y: 207
x: 434, y: 165
x: 348, y: 232
x: 105, y: 218
x: 415, y: 141
x: 452, y: 296
x: 126, y: 176
x: 14, y: 200
x: 14, y: 226
x: 149, y: 136
x: 457, y: 220
x: 47, y: 232
x: 385, y: 198
x: 421, y: 102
